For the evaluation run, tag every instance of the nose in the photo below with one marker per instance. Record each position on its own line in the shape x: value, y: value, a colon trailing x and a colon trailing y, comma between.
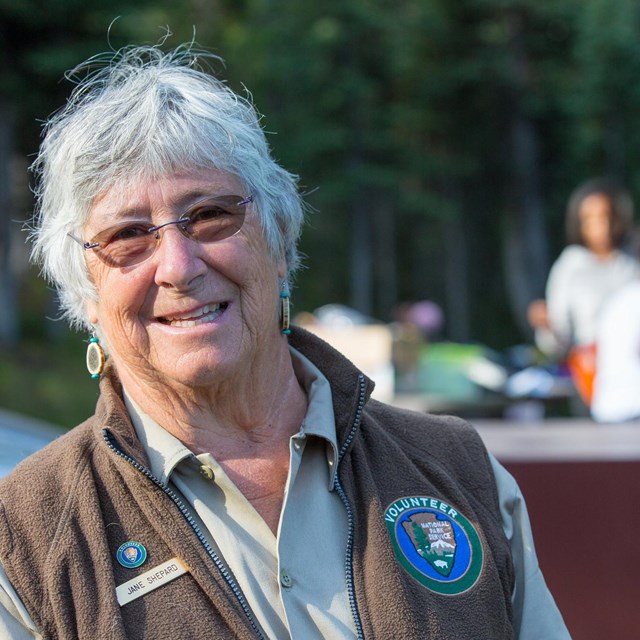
x: 178, y: 258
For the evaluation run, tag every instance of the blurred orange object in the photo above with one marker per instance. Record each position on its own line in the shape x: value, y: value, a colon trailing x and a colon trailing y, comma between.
x: 582, y: 366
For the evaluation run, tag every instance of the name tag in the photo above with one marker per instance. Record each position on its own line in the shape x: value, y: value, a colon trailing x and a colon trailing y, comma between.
x: 150, y: 580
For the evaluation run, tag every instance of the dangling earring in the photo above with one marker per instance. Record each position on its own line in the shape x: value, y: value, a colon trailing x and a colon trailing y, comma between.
x: 95, y: 357
x: 285, y: 310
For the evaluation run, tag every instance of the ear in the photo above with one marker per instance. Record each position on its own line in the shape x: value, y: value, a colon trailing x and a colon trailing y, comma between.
x: 92, y: 311
x: 282, y: 269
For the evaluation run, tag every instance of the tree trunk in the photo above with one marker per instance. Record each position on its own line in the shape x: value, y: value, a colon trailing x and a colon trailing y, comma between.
x: 9, y: 326
x: 361, y: 263
x: 456, y: 281
x: 525, y: 243
x: 385, y: 257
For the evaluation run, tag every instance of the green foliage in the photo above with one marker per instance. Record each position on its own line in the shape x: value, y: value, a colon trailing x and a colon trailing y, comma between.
x: 606, y: 98
x: 48, y: 381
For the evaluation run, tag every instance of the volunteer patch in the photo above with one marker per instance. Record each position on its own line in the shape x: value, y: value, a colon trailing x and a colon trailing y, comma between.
x: 435, y: 544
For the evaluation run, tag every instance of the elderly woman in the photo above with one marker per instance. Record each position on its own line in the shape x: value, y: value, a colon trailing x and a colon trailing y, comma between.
x: 235, y: 480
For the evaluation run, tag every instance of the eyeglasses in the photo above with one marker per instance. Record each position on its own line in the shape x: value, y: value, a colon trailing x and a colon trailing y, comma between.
x: 130, y: 243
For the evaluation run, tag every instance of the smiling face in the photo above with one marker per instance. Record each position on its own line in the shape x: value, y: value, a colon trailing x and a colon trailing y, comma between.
x: 192, y: 314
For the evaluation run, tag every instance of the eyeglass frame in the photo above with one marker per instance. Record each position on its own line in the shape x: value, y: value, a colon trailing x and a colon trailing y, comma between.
x: 244, y: 200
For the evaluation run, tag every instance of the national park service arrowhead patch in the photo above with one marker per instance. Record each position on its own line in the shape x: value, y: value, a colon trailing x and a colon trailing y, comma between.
x: 131, y: 554
x: 435, y: 544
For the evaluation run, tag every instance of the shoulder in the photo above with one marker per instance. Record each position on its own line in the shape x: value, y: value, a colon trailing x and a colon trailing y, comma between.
x: 572, y: 256
x: 625, y: 260
x: 574, y: 259
x: 48, y: 477
x: 66, y: 448
x: 423, y: 436
x: 410, y: 424
x: 39, y: 500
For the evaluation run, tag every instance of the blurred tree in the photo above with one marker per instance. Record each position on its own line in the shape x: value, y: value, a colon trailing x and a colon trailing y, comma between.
x: 605, y: 99
x: 421, y: 122
x: 531, y: 44
x: 8, y: 295
x: 39, y: 41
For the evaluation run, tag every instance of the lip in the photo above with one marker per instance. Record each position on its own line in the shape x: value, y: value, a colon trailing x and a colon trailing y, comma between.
x: 201, y: 315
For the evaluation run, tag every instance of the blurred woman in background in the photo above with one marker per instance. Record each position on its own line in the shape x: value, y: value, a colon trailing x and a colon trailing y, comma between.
x: 594, y: 265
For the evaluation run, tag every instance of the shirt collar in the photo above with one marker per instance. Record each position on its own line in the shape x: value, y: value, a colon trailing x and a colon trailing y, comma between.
x: 319, y: 420
x: 165, y: 451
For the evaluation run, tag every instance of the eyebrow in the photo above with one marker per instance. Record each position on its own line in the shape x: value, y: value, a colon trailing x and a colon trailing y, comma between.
x: 192, y: 196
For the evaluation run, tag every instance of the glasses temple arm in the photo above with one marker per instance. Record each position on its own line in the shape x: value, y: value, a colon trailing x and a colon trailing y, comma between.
x: 84, y: 245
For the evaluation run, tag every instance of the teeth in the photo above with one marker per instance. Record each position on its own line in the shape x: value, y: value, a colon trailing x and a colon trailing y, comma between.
x: 208, y: 313
x: 191, y: 314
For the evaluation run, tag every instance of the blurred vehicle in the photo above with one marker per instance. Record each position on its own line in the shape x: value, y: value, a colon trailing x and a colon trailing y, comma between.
x: 21, y: 436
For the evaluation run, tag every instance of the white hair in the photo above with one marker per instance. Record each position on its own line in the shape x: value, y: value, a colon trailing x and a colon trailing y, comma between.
x: 144, y: 114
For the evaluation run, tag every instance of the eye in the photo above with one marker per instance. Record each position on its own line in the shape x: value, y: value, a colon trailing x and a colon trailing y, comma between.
x: 128, y: 232
x: 208, y: 212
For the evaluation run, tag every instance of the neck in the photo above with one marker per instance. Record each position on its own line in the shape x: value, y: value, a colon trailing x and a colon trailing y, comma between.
x: 246, y: 424
x: 603, y: 252
x: 259, y: 408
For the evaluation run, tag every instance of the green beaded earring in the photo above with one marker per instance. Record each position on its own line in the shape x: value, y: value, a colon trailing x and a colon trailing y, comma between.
x: 95, y: 357
x: 285, y: 311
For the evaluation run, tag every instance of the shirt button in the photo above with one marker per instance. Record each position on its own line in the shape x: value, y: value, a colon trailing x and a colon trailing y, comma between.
x: 206, y: 472
x: 285, y: 580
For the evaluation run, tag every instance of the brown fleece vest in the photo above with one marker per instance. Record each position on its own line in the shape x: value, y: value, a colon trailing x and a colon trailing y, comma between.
x: 66, y: 510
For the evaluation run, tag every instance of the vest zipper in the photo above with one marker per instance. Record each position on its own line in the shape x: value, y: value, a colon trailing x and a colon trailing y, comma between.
x: 189, y: 518
x: 345, y: 500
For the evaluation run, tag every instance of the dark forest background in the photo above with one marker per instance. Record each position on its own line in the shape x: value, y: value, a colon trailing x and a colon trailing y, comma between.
x: 438, y: 142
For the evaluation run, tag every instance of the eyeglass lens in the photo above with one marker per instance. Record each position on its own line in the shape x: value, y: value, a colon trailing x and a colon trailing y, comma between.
x: 209, y: 220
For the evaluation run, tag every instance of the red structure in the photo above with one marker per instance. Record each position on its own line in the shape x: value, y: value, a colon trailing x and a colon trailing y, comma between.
x: 582, y: 486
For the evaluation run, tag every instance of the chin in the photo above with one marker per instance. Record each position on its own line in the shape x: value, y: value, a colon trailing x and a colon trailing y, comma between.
x: 205, y: 373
